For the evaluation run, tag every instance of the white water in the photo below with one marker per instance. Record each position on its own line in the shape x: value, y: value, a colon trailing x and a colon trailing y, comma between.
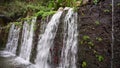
x: 69, y: 50
x: 27, y: 38
x: 46, y: 41
x: 13, y: 37
x: 43, y: 26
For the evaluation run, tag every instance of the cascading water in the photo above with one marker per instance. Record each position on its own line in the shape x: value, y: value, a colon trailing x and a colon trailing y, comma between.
x: 13, y: 37
x: 27, y: 38
x: 46, y: 41
x: 69, y: 50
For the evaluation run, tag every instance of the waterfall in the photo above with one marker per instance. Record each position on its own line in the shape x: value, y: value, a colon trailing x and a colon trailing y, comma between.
x: 13, y: 37
x: 27, y: 38
x: 46, y: 41
x: 69, y: 50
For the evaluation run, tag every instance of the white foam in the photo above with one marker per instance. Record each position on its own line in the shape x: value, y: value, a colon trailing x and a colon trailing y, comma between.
x: 21, y: 61
x: 6, y: 54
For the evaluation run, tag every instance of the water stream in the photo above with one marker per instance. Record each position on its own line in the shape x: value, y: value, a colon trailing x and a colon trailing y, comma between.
x: 46, y: 41
x: 69, y: 50
x: 13, y: 37
x: 27, y: 39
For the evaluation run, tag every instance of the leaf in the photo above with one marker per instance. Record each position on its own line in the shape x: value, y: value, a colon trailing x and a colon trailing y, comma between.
x: 97, y: 22
x: 91, y: 43
x: 85, y: 37
x: 84, y: 64
x: 100, y: 58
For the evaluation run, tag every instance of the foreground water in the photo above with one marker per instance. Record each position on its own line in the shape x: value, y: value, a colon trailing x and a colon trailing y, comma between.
x: 9, y: 60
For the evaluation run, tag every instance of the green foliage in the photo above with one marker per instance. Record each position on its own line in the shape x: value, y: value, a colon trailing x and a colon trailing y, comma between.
x: 19, y: 24
x: 44, y: 14
x: 84, y: 64
x: 97, y: 22
x: 25, y: 19
x: 91, y: 43
x: 95, y: 2
x: 42, y: 7
x: 75, y: 9
x: 7, y: 27
x: 13, y: 8
x: 81, y: 1
x: 99, y: 39
x: 106, y: 10
x: 51, y: 4
x: 81, y: 42
x: 100, y: 58
x: 62, y: 3
x: 85, y: 37
x: 94, y: 51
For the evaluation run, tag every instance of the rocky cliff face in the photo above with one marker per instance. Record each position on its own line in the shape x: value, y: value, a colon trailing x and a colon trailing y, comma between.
x: 4, y: 20
x: 116, y: 47
x: 94, y: 27
x: 95, y: 35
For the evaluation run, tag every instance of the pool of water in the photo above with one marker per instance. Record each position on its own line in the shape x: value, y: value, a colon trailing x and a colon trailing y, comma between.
x: 8, y: 60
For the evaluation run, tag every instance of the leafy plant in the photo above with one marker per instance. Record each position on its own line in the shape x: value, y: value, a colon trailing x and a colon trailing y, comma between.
x: 44, y: 14
x: 79, y: 3
x: 85, y: 37
x: 91, y: 43
x: 97, y: 22
x: 95, y: 2
x: 81, y: 42
x: 106, y: 11
x: 100, y: 58
x: 94, y: 51
x: 99, y: 39
x: 19, y: 24
x: 84, y: 64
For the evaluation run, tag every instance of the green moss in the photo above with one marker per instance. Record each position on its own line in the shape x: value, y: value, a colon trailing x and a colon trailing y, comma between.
x: 44, y: 14
x: 19, y: 24
x: 7, y: 27
x: 75, y: 9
